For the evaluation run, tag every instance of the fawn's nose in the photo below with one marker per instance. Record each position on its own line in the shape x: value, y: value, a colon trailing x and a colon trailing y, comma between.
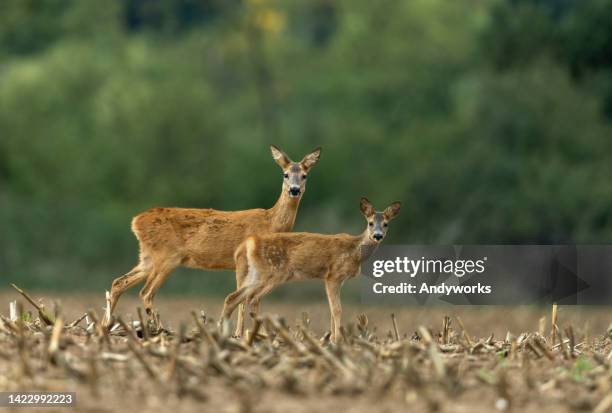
x: 294, y: 191
x: 378, y: 237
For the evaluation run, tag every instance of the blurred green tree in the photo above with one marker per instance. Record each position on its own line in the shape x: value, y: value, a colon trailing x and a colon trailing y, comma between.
x: 490, y: 119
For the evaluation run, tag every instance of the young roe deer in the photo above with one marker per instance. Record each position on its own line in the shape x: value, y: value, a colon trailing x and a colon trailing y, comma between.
x: 206, y: 238
x: 265, y: 261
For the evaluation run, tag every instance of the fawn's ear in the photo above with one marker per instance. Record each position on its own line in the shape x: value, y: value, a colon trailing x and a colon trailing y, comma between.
x: 311, y: 159
x: 280, y: 157
x: 392, y: 210
x: 366, y: 207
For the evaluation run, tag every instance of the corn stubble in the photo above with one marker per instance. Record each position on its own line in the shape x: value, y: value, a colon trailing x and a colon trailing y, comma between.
x: 424, y: 368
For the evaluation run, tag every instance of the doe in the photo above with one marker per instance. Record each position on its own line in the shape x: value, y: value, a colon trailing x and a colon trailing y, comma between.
x: 206, y: 238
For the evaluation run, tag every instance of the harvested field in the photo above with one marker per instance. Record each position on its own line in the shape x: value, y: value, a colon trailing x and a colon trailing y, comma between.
x: 452, y: 359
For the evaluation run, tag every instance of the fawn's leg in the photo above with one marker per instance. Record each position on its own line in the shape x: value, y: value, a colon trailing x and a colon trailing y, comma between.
x: 240, y: 320
x: 245, y: 293
x: 332, y: 288
x: 257, y: 295
x: 254, y: 299
x: 119, y: 286
x: 233, y: 300
x: 255, y: 306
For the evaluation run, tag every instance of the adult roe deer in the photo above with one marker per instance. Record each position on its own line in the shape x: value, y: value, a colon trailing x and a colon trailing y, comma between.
x: 206, y: 238
x: 265, y: 261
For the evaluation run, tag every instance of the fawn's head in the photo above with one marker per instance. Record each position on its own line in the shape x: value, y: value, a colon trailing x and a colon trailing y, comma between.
x: 378, y: 222
x: 295, y: 173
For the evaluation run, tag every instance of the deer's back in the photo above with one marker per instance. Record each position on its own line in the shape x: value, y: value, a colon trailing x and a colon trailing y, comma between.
x: 304, y: 255
x: 202, y: 238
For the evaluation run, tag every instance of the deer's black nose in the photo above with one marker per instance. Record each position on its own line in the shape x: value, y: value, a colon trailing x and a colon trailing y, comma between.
x: 294, y: 190
x: 378, y: 237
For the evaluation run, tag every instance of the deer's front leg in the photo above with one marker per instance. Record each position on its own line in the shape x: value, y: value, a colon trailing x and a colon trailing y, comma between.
x: 242, y: 270
x: 332, y: 288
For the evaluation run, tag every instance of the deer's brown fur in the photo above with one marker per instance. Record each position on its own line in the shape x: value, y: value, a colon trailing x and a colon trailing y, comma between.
x: 206, y: 238
x: 265, y: 261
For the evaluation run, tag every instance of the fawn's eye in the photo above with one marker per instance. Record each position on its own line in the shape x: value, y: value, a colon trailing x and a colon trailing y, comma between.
x: 304, y: 176
x: 286, y: 175
x: 385, y: 225
x: 371, y: 224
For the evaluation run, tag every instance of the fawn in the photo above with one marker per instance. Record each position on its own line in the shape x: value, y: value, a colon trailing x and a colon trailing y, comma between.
x: 265, y: 261
x: 206, y: 238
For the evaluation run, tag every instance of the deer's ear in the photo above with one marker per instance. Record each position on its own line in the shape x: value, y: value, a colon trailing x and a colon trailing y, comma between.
x: 392, y: 210
x: 311, y: 159
x: 280, y: 157
x: 366, y: 207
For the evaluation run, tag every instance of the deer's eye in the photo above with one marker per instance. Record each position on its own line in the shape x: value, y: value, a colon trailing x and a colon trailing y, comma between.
x: 286, y: 175
x: 385, y: 225
x: 371, y: 224
x: 304, y: 176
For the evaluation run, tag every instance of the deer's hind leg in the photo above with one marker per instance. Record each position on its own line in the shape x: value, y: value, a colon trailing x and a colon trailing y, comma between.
x: 255, y: 297
x: 242, y: 270
x: 120, y: 285
x: 233, y: 300
x: 246, y: 293
x: 159, y: 273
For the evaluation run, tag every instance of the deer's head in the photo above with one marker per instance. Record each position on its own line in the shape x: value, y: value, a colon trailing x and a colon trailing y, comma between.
x: 295, y: 173
x: 378, y: 222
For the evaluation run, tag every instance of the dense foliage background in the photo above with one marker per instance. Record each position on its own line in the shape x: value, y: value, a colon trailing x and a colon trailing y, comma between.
x: 490, y: 119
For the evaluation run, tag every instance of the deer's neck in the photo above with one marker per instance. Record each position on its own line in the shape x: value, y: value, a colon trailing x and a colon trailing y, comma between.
x: 365, y: 247
x: 284, y: 211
